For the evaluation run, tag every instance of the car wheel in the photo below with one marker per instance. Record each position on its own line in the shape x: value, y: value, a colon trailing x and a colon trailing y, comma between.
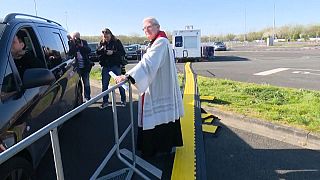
x: 16, y: 168
x: 79, y: 96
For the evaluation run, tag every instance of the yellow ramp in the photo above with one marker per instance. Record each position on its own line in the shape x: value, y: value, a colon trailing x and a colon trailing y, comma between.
x: 184, y: 160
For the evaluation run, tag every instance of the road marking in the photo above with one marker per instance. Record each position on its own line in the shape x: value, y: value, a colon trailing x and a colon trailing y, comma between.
x: 306, y: 71
x: 286, y: 171
x: 314, y: 74
x: 272, y: 71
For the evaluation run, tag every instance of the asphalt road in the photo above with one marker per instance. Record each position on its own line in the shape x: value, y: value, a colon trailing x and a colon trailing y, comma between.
x: 230, y: 154
x: 283, y: 67
x: 236, y: 154
x: 296, y: 68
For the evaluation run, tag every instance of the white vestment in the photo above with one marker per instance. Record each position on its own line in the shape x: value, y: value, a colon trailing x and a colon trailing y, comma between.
x: 156, y: 76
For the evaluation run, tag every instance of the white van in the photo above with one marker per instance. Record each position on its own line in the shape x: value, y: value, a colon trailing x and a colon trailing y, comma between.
x: 187, y: 44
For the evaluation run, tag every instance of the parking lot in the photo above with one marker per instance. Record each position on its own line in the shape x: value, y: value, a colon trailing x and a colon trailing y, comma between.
x: 296, y: 68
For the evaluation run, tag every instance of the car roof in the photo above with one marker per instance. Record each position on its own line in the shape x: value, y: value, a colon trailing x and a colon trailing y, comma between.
x: 14, y: 17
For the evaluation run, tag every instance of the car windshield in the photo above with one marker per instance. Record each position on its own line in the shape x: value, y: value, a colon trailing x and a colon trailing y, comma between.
x: 131, y: 48
x: 218, y: 43
x: 1, y: 29
x: 93, y: 46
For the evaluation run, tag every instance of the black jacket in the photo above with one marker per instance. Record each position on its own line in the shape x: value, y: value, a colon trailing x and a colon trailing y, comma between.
x: 27, y: 61
x: 84, y: 51
x: 114, y: 59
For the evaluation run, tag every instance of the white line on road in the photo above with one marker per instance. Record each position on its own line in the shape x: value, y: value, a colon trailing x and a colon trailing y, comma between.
x: 314, y: 74
x: 305, y: 72
x: 305, y: 69
x: 272, y: 71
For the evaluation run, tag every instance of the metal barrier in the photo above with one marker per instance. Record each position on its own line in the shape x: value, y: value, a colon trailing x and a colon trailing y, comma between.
x: 52, y: 129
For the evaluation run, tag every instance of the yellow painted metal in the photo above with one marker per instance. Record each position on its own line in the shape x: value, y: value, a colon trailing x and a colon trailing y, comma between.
x: 208, y: 120
x: 184, y: 160
x: 209, y: 128
x: 207, y: 98
x: 205, y: 115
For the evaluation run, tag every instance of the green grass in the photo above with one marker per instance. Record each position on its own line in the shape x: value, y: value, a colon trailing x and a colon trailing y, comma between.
x: 296, y: 107
x: 95, y: 74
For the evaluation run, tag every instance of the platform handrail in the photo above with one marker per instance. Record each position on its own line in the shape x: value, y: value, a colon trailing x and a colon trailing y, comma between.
x: 52, y: 129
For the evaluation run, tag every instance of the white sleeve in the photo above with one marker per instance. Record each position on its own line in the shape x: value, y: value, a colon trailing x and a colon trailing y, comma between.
x: 145, y: 71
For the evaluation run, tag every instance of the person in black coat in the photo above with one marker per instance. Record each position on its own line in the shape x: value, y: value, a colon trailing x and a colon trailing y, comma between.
x: 23, y: 58
x: 79, y: 48
x: 111, y: 54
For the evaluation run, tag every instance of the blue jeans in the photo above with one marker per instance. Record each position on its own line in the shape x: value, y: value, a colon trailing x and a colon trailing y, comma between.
x: 86, y: 83
x: 105, y: 82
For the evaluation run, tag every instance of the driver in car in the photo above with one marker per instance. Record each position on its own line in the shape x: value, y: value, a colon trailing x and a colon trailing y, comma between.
x: 22, y: 58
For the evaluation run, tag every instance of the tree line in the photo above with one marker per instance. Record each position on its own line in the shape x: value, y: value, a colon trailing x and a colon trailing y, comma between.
x: 287, y: 32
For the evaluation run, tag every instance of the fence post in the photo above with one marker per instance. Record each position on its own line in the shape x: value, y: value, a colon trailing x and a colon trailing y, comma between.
x: 56, y: 153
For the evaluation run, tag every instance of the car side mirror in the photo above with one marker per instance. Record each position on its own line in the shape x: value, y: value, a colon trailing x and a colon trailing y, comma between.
x: 36, y: 77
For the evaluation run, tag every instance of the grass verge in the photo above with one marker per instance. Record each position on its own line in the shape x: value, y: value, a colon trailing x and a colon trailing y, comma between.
x: 295, y: 107
x: 95, y: 74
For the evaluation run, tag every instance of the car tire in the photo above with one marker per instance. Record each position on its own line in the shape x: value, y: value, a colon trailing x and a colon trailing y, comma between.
x: 16, y: 168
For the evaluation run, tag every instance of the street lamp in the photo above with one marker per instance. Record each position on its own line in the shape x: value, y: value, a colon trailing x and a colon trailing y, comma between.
x: 274, y: 20
x: 35, y: 7
x: 245, y: 24
x: 66, y: 12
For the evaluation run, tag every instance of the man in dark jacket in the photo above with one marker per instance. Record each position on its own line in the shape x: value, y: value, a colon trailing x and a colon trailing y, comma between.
x: 23, y: 59
x: 110, y: 53
x: 79, y: 48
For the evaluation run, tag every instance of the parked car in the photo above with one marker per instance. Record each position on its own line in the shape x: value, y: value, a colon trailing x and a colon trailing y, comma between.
x: 31, y: 100
x: 93, y: 54
x: 133, y: 52
x: 219, y: 46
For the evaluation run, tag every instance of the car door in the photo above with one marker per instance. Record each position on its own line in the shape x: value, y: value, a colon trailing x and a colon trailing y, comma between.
x: 12, y: 104
x: 61, y: 65
x: 42, y: 105
x: 73, y: 91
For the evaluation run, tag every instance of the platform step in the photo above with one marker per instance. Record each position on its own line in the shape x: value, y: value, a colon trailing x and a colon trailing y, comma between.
x: 209, y: 128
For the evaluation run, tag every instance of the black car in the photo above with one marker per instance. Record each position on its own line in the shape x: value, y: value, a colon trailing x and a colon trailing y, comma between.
x: 133, y: 52
x: 93, y: 54
x: 31, y: 100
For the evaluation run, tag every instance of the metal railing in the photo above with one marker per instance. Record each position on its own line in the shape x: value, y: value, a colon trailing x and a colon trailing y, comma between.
x: 52, y: 129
